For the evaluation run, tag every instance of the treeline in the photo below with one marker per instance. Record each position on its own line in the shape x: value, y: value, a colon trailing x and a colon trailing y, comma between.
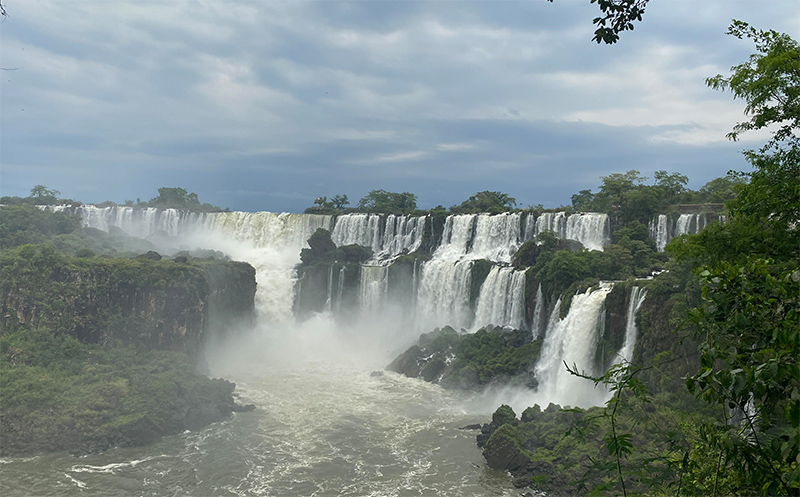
x: 626, y: 196
x: 168, y: 198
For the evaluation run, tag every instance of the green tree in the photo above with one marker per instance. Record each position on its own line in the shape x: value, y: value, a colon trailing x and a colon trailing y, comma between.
x: 617, y: 16
x: 583, y: 200
x: 768, y: 82
x: 388, y: 202
x: 44, y: 196
x: 720, y: 190
x: 339, y: 201
x: 486, y: 201
x: 673, y: 184
x: 750, y: 266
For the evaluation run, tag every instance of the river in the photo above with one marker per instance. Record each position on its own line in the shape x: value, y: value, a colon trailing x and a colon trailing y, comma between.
x: 324, y: 425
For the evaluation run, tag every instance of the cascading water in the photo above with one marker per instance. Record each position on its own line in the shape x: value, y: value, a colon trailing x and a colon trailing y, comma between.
x: 552, y: 221
x: 536, y: 324
x: 443, y: 297
x: 496, y: 237
x: 590, y: 228
x: 373, y: 288
x: 573, y: 340
x: 660, y: 231
x: 635, y: 302
x: 502, y: 299
x: 387, y: 236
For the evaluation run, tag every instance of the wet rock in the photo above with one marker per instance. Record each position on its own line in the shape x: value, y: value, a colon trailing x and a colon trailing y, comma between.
x: 151, y: 255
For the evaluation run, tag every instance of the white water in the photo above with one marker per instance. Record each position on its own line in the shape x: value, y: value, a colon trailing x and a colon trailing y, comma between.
x: 663, y: 229
x: 443, y: 297
x: 573, y: 340
x: 635, y: 302
x: 536, y: 325
x: 591, y: 229
x: 502, y: 299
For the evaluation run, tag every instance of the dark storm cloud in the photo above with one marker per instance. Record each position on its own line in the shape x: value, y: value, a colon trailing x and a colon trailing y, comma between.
x: 269, y: 105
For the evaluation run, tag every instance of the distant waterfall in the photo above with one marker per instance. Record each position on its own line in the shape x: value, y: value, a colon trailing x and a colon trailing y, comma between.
x: 552, y: 221
x: 387, y: 236
x: 659, y: 231
x: 496, y: 237
x: 663, y: 228
x: 443, y: 297
x: 590, y: 228
x: 573, y: 340
x: 536, y: 324
x: 635, y: 302
x: 373, y: 288
x: 502, y: 299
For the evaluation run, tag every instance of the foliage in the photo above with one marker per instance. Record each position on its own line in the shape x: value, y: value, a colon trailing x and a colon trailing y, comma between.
x: 618, y: 16
x: 60, y: 394
x: 163, y: 304
x: 768, y: 82
x: 180, y: 198
x: 381, y: 201
x: 486, y: 201
x: 24, y: 224
x: 720, y: 190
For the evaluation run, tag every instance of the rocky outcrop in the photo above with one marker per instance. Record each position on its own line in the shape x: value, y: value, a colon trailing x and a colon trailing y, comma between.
x: 161, y: 304
x: 471, y: 361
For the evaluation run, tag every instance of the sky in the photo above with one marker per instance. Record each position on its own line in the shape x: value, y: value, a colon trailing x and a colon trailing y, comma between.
x: 267, y: 105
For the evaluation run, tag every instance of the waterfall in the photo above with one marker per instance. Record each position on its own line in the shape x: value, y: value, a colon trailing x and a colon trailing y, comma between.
x: 496, y: 237
x: 659, y: 231
x: 373, y: 288
x: 552, y: 221
x: 573, y: 340
x: 443, y: 297
x: 589, y: 228
x: 637, y: 297
x: 358, y: 229
x: 502, y: 299
x: 387, y: 237
x: 456, y: 237
x: 536, y: 324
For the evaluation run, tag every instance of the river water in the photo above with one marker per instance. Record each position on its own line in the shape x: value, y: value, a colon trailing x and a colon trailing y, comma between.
x: 325, y: 425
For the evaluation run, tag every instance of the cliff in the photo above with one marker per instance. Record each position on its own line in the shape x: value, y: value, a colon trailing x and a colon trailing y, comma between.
x: 161, y: 304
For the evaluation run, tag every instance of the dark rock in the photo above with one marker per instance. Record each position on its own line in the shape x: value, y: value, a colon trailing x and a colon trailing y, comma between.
x: 375, y: 374
x: 432, y: 370
x: 407, y: 363
x: 244, y: 408
x: 475, y: 426
x: 151, y: 255
x: 181, y: 259
x: 503, y: 452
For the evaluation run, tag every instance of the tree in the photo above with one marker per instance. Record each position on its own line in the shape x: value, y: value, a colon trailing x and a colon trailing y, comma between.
x: 768, y: 81
x: 176, y: 198
x: 43, y: 195
x: 618, y: 16
x: 388, y: 202
x: 750, y: 268
x: 673, y: 184
x: 583, y: 200
x: 486, y: 201
x: 720, y: 190
x: 339, y: 201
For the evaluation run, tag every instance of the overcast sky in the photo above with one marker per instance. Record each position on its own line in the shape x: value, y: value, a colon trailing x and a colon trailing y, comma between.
x: 268, y: 105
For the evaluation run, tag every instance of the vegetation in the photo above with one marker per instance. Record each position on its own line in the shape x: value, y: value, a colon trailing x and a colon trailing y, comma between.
x: 740, y: 435
x: 471, y: 360
x: 491, y: 202
x: 59, y: 393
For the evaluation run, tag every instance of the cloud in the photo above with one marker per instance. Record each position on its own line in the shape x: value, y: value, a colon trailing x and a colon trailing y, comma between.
x: 454, y: 147
x: 121, y: 98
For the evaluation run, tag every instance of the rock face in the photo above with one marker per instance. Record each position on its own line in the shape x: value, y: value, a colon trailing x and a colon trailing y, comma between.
x: 162, y: 304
